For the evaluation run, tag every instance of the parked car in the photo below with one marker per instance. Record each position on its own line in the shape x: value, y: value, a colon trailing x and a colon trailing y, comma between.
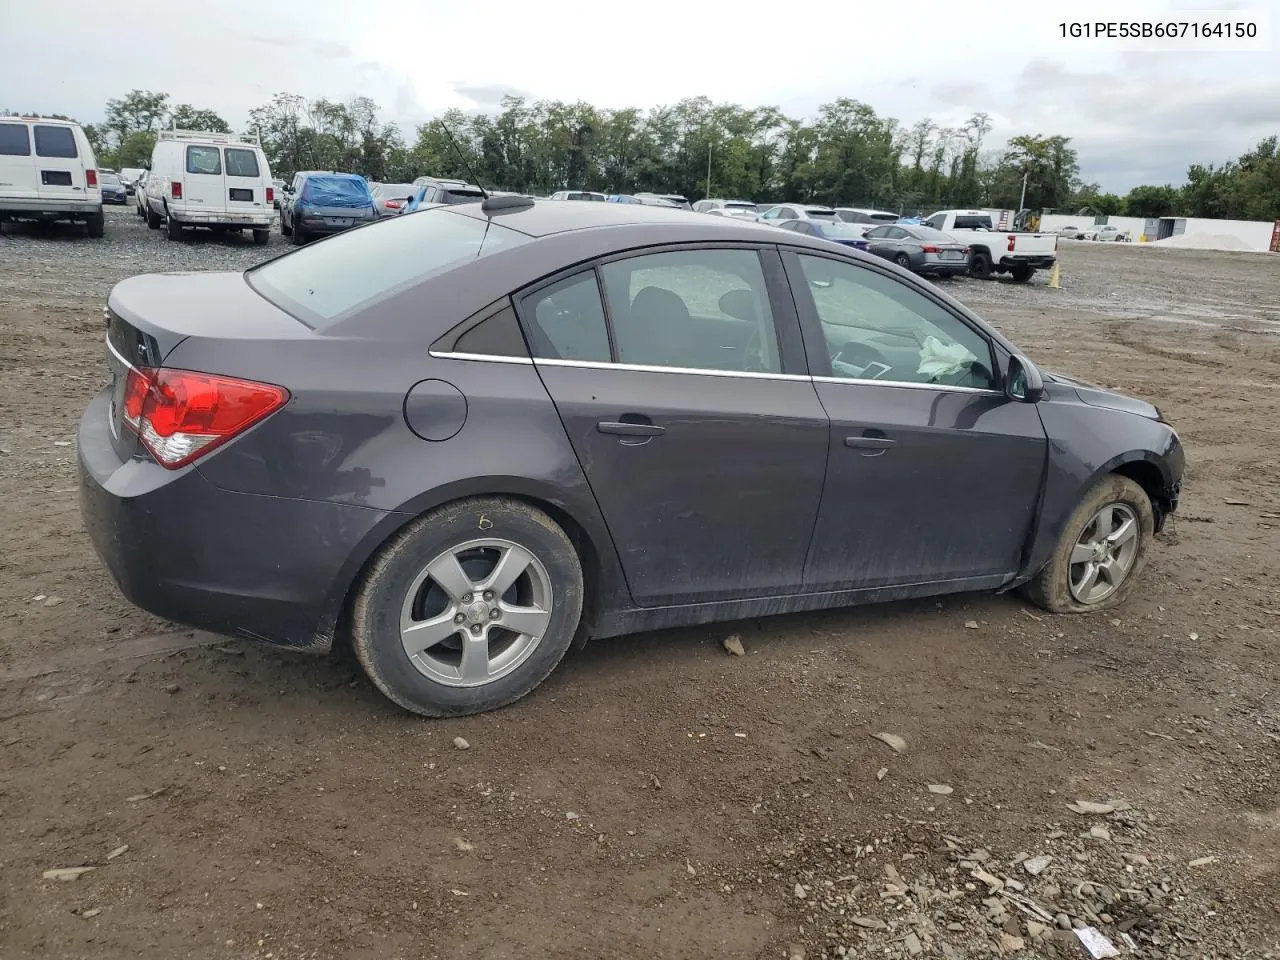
x: 113, y: 190
x: 577, y: 195
x: 390, y: 198
x: 706, y: 206
x: 428, y: 190
x: 994, y: 251
x: 865, y: 216
x: 477, y: 484
x: 140, y: 194
x: 735, y: 213
x: 620, y: 198
x: 217, y: 181
x: 1109, y: 232
x: 847, y: 234
x: 48, y: 172
x: 1071, y: 233
x: 675, y: 199
x: 129, y: 176
x: 320, y: 204
x: 277, y: 192
x: 797, y: 211
x: 919, y: 249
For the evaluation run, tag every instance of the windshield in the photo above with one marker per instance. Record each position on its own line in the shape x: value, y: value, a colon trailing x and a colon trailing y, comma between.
x: 325, y: 281
x: 336, y: 191
x: 928, y: 233
x: 394, y: 190
x: 110, y: 178
x: 739, y: 205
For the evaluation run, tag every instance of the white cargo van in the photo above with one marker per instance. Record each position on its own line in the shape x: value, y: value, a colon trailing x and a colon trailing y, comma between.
x: 48, y: 172
x: 215, y: 180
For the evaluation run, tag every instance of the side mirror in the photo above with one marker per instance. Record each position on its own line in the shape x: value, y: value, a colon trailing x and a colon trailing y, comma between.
x: 1023, y: 382
x: 146, y: 164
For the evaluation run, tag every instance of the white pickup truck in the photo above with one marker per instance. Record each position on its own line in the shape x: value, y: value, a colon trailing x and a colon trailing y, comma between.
x: 994, y: 251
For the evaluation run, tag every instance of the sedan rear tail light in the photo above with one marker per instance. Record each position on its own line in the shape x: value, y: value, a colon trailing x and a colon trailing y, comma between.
x: 393, y: 204
x: 175, y: 190
x: 180, y: 415
x: 271, y: 195
x: 929, y: 249
x: 91, y: 178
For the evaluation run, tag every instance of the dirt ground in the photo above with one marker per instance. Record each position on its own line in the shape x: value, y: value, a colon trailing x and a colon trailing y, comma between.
x: 658, y: 797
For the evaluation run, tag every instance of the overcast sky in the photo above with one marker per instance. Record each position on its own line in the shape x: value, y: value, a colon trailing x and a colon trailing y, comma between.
x: 1133, y: 117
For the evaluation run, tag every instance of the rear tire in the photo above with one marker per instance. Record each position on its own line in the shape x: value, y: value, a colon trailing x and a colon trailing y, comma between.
x: 153, y: 219
x: 262, y: 237
x: 175, y: 229
x: 299, y: 235
x: 285, y: 229
x: 980, y: 266
x: 1021, y: 273
x: 1057, y: 587
x: 398, y: 588
x: 903, y: 261
x: 95, y: 226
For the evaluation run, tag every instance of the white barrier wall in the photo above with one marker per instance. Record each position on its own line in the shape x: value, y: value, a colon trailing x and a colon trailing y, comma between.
x: 1253, y: 234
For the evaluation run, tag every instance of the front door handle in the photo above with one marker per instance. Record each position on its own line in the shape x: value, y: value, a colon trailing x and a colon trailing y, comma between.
x: 871, y: 446
x: 630, y: 429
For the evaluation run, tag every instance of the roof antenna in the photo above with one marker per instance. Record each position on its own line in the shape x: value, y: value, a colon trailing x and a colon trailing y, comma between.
x: 489, y: 205
x: 463, y: 158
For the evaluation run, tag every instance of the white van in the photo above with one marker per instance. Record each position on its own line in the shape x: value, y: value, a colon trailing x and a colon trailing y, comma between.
x: 48, y: 172
x: 215, y: 180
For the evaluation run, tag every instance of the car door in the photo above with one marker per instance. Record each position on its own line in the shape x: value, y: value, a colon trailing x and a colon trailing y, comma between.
x: 692, y: 415
x: 933, y: 473
x: 60, y: 170
x: 246, y: 179
x: 879, y: 242
x: 204, y: 186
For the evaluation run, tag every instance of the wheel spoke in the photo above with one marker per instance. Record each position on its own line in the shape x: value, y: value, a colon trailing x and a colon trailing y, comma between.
x: 1088, y: 581
x: 529, y: 620
x: 1104, y: 520
x: 513, y: 562
x: 1125, y: 532
x: 419, y: 635
x: 1081, y: 553
x: 453, y: 580
x: 475, y: 658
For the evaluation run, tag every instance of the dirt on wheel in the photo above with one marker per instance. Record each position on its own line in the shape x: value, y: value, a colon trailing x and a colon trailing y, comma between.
x: 659, y: 796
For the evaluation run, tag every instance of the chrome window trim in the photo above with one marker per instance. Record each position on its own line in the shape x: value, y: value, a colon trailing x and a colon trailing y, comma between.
x: 118, y: 355
x: 699, y: 371
x: 490, y: 358
x: 646, y: 368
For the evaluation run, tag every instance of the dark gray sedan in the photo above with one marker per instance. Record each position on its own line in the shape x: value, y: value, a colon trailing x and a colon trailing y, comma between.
x: 919, y: 249
x: 466, y: 437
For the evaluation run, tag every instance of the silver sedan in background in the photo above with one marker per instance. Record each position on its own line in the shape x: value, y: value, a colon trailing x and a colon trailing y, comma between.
x: 920, y: 249
x: 389, y: 199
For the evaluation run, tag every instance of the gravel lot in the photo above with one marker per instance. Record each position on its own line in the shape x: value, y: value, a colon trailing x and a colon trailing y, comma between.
x: 657, y: 797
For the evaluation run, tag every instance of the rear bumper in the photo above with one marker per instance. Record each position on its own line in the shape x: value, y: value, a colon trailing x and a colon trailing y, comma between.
x: 316, y: 227
x: 1037, y: 263
x: 265, y: 568
x: 48, y: 209
x: 221, y: 218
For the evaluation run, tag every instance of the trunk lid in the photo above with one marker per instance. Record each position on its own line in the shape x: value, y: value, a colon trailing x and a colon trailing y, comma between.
x: 149, y: 315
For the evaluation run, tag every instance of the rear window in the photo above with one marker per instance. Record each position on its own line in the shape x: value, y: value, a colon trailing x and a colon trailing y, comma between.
x: 827, y: 215
x: 336, y: 191
x: 14, y: 141
x: 110, y: 178
x: 972, y: 223
x: 241, y: 162
x: 739, y: 205
x: 320, y: 283
x: 460, y: 196
x: 55, y: 141
x: 204, y: 160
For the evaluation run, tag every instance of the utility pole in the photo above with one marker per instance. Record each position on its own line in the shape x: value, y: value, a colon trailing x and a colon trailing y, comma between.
x: 708, y: 170
x: 1022, y: 201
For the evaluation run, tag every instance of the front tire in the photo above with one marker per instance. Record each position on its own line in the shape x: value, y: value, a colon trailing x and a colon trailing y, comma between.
x: 299, y: 235
x: 435, y: 640
x: 1101, y: 553
x: 153, y: 219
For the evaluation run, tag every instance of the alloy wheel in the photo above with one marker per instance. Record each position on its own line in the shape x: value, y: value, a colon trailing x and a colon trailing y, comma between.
x: 1103, y: 556
x: 476, y: 612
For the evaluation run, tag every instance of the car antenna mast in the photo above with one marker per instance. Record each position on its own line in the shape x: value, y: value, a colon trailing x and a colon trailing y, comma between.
x: 463, y: 158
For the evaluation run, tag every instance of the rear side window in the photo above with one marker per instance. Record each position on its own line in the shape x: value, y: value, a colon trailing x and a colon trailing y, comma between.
x: 14, y: 141
x: 319, y: 283
x: 206, y: 160
x: 241, y: 163
x: 565, y: 321
x: 55, y: 142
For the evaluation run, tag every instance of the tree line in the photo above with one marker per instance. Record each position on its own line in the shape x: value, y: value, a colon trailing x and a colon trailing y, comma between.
x: 845, y: 154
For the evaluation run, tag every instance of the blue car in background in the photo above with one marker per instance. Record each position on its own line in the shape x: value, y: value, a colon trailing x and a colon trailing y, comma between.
x: 319, y: 204
x: 846, y: 234
x: 113, y: 190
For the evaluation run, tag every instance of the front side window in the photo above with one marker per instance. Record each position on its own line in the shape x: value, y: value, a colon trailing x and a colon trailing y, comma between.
x: 55, y: 142
x: 241, y: 162
x: 878, y: 328
x: 14, y: 141
x: 206, y: 160
x: 565, y: 321
x: 702, y: 309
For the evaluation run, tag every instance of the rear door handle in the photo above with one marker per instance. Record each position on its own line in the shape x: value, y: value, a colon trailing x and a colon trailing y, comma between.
x: 630, y: 429
x: 872, y: 446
